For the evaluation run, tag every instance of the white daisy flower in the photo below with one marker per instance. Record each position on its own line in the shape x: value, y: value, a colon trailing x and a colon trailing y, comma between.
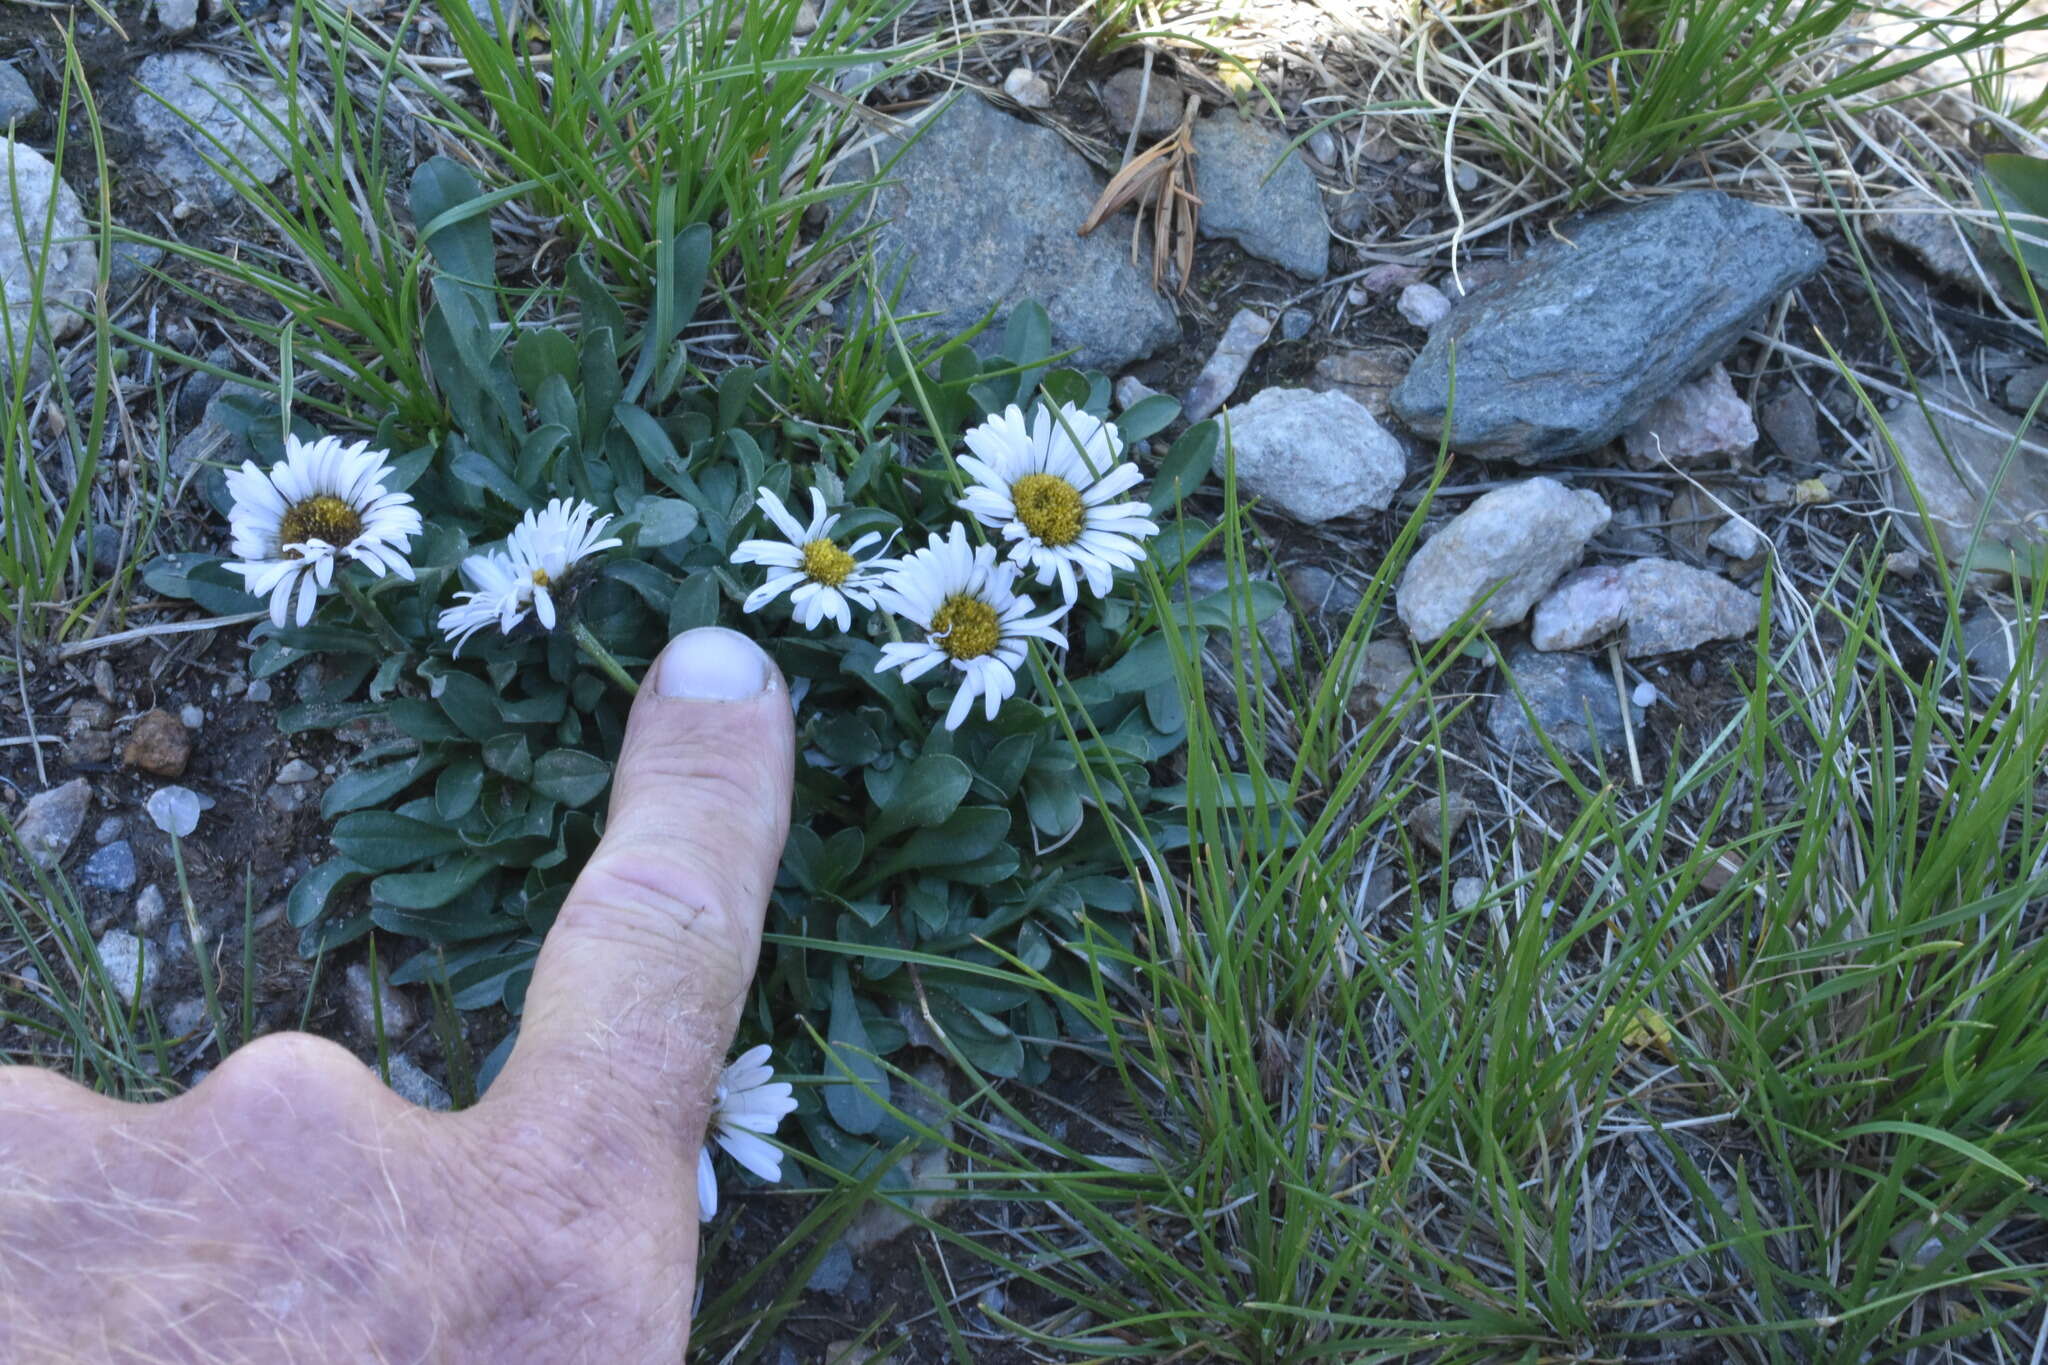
x: 749, y: 1106
x: 1047, y: 488
x: 821, y: 576
x: 505, y: 584
x: 968, y: 614
x: 320, y: 506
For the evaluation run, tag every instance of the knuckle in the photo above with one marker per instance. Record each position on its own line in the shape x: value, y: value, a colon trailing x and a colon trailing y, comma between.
x: 663, y: 906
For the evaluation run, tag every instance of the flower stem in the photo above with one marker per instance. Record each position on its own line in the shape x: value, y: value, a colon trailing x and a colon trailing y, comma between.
x: 602, y: 657
x: 387, y: 634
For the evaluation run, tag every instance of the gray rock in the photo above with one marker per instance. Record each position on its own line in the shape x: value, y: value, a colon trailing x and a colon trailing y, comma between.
x: 1507, y: 548
x: 981, y: 211
x: 127, y: 962
x: 190, y: 109
x: 834, y: 1271
x: 1275, y: 214
x: 1436, y: 822
x: 50, y: 822
x: 214, y: 437
x: 1673, y: 606
x: 1789, y: 419
x: 1240, y: 341
x: 110, y: 869
x: 1930, y: 230
x: 1366, y: 376
x: 149, y: 908
x: 1700, y: 420
x: 1577, y: 339
x: 1992, y: 643
x: 1424, y: 305
x: 1586, y: 606
x: 362, y: 1005
x: 1958, y: 491
x: 1313, y: 456
x: 411, y: 1083
x: 2023, y: 388
x: 176, y: 16
x: 185, y: 1018
x: 1465, y: 892
x: 1574, y: 703
x: 1295, y: 323
x: 296, y: 771
x: 17, y: 100
x: 927, y: 1169
x: 1164, y: 101
x: 1384, y: 676
x: 1738, y: 539
x: 109, y: 829
x: 1206, y: 578
x: 69, y: 268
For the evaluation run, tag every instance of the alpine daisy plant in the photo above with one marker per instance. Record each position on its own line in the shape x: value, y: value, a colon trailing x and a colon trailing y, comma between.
x: 585, y: 496
x: 747, y: 1108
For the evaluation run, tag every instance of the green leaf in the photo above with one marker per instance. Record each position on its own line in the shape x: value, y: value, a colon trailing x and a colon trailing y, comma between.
x: 931, y: 790
x: 454, y: 219
x: 362, y: 787
x: 1187, y: 465
x: 380, y: 841
x: 310, y: 894
x: 663, y: 521
x: 695, y: 603
x: 455, y: 795
x: 848, y: 1047
x: 970, y: 833
x: 429, y: 890
x: 1148, y: 416
x: 1055, y: 806
x: 509, y: 755
x: 472, y: 704
x: 570, y: 776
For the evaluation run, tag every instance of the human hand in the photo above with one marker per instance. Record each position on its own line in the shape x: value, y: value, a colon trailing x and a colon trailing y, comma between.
x: 291, y: 1208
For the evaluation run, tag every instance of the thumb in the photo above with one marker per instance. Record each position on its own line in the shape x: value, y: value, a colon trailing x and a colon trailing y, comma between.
x: 639, y: 985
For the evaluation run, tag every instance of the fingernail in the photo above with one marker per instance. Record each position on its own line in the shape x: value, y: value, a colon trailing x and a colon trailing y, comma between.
x: 711, y: 664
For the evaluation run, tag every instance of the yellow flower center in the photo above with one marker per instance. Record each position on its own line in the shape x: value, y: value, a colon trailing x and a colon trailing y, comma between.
x: 826, y: 563
x: 541, y: 579
x: 1050, y: 508
x: 965, y: 627
x: 320, y: 517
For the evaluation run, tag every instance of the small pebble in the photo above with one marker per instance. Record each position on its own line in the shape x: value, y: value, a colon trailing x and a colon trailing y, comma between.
x: 1465, y: 892
x: 1737, y: 539
x: 123, y: 957
x: 1646, y: 695
x: 1466, y: 177
x: 110, y: 869
x: 1028, y: 88
x: 415, y: 1085
x: 1295, y: 322
x: 1424, y: 305
x: 110, y: 829
x: 1131, y: 391
x: 185, y: 1018
x: 295, y: 772
x: 259, y: 689
x: 192, y: 716
x: 1903, y: 563
x: 1323, y: 147
x: 149, y: 907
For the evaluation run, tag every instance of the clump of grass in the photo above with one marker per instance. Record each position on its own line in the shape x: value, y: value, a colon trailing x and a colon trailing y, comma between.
x: 1589, y: 98
x: 1750, y: 1063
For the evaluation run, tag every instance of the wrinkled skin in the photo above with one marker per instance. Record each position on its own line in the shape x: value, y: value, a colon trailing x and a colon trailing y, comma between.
x: 290, y: 1208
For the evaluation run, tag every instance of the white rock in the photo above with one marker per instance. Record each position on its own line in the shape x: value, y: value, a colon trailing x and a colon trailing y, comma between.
x: 191, y: 716
x: 1028, y: 88
x: 1466, y: 177
x: 1673, y: 606
x: 1646, y: 695
x: 1737, y: 539
x: 298, y: 770
x: 1313, y: 456
x: 1425, y: 305
x: 363, y: 1007
x: 123, y: 957
x: 1131, y: 391
x: 1693, y: 423
x: 1586, y: 606
x: 1465, y: 892
x: 70, y: 267
x: 177, y: 16
x: 1240, y: 341
x: 149, y: 908
x: 1511, y: 543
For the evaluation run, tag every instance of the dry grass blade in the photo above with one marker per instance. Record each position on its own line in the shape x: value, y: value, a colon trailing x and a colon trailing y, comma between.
x: 1163, y: 177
